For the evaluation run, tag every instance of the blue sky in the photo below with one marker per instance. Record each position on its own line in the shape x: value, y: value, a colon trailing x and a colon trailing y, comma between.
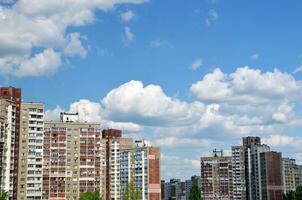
x: 84, y: 57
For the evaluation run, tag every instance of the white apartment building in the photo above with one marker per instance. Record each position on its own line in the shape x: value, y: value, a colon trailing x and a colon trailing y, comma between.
x: 7, y: 144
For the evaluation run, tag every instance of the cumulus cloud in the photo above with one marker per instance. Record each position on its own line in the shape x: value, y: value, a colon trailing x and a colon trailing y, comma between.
x: 148, y: 105
x: 283, y: 141
x: 88, y: 111
x: 247, y: 85
x: 53, y: 114
x: 33, y: 28
x: 183, y: 142
x: 127, y: 16
x: 44, y: 63
x: 168, y: 163
x: 226, y: 108
x: 298, y: 70
x: 92, y: 112
x: 74, y: 46
x: 196, y: 64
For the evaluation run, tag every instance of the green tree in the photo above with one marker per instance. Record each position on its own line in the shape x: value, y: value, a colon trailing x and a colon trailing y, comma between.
x: 91, y: 195
x: 195, y: 193
x: 289, y: 196
x: 298, y: 192
x: 3, y: 195
x: 294, y: 195
x: 131, y: 193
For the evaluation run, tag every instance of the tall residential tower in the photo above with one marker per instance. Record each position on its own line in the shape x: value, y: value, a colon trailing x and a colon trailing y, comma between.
x: 73, y: 160
x: 31, y: 151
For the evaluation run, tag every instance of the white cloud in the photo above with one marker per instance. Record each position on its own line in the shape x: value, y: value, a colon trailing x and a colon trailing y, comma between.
x: 213, y: 86
x: 124, y: 126
x: 169, y: 169
x: 254, y: 57
x: 127, y: 16
x: 44, y: 63
x: 283, y: 141
x: 128, y: 36
x: 298, y: 70
x: 141, y: 104
x: 54, y: 114
x: 74, y: 46
x: 32, y: 27
x: 247, y: 85
x: 212, y: 17
x: 183, y: 142
x: 228, y: 107
x: 196, y: 64
x: 88, y: 111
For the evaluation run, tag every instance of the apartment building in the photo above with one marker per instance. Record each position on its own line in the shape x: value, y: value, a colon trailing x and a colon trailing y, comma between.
x: 114, y: 144
x: 140, y: 165
x: 73, y: 161
x: 291, y: 174
x: 31, y: 151
x: 216, y: 176
x: 271, y: 176
x: 252, y: 150
x: 7, y: 145
x: 174, y: 190
x: 14, y: 96
x: 238, y: 168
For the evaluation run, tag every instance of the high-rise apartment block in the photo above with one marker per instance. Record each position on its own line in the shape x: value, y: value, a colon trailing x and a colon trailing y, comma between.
x: 114, y: 144
x: 252, y: 150
x: 140, y: 165
x: 72, y: 159
x: 127, y: 161
x: 7, y: 145
x: 9, y: 139
x: 216, y: 176
x: 271, y: 176
x: 174, y: 189
x: 291, y: 174
x: 238, y: 168
x: 31, y: 151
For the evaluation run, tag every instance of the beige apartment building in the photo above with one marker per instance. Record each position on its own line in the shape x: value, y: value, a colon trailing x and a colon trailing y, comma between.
x: 291, y: 174
x: 73, y: 159
x: 216, y: 176
x: 31, y: 151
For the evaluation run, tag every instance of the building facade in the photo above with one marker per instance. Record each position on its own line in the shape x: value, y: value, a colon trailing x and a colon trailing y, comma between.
x: 114, y: 144
x: 216, y: 177
x: 291, y: 174
x: 173, y: 190
x: 238, y: 168
x: 31, y: 151
x: 7, y: 145
x: 271, y: 176
x: 140, y: 165
x: 72, y: 159
x: 252, y: 150
x: 14, y: 95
